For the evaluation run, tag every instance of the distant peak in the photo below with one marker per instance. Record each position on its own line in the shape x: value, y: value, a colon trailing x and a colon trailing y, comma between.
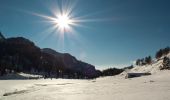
x: 20, y: 40
x: 1, y: 36
x: 51, y: 51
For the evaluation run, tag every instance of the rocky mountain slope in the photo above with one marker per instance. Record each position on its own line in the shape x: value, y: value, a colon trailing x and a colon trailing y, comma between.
x: 22, y: 55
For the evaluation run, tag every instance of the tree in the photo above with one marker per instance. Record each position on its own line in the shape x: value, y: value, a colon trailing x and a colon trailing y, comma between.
x: 166, y: 50
x: 166, y: 63
x: 111, y: 71
x: 128, y: 67
x: 138, y: 62
x: 148, y: 60
x: 159, y: 54
x: 143, y: 61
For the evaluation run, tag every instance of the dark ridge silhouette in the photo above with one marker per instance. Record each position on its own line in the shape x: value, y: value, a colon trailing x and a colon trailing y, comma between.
x: 22, y: 55
x: 1, y: 37
x: 112, y: 71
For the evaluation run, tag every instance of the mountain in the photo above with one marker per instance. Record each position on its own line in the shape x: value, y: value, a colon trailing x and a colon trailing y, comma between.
x: 51, y: 51
x: 22, y: 55
x: 70, y: 62
x: 1, y: 37
x: 18, y: 54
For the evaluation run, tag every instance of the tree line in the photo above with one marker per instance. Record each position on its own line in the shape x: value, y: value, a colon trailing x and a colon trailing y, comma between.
x: 159, y: 54
x: 144, y: 61
x: 162, y: 52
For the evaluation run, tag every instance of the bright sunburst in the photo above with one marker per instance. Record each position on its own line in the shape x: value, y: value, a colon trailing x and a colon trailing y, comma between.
x: 63, y: 22
x: 62, y: 19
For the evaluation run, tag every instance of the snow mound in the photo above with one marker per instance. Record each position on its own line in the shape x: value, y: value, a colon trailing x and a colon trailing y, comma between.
x: 151, y: 68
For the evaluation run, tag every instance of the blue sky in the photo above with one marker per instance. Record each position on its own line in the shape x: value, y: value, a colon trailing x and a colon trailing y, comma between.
x: 117, y: 31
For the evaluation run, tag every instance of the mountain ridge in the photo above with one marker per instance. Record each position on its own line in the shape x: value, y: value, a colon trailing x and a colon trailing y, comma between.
x: 22, y: 55
x: 1, y: 37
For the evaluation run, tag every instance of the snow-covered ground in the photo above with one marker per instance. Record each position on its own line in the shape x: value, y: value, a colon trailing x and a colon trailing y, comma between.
x: 153, y: 87
x: 151, y: 68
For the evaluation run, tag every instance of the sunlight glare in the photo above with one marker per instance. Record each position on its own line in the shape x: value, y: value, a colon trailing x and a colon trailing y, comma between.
x: 63, y: 22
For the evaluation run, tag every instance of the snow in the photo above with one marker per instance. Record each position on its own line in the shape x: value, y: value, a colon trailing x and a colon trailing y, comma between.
x: 151, y: 68
x: 153, y: 87
x: 30, y: 75
x: 21, y: 75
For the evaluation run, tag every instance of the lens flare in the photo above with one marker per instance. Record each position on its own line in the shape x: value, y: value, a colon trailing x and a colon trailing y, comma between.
x: 63, y: 22
x: 62, y: 19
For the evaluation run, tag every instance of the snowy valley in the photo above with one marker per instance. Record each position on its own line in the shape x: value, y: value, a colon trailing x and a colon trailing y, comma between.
x: 152, y: 87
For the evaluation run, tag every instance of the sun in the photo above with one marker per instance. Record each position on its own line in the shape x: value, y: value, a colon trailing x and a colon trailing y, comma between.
x: 63, y: 21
